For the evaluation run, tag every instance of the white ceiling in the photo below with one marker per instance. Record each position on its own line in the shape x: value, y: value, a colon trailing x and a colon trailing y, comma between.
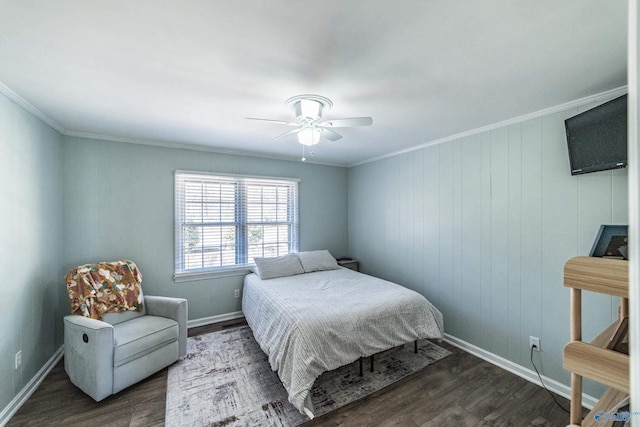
x: 190, y: 71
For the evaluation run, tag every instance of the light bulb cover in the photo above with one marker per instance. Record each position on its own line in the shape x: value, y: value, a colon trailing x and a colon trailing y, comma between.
x: 309, y: 136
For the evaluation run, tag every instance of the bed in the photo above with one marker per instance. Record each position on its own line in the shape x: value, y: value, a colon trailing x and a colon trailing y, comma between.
x: 322, y: 318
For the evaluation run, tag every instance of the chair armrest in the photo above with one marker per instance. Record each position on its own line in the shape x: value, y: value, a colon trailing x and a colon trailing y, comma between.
x: 88, y: 323
x: 172, y: 308
x: 88, y: 355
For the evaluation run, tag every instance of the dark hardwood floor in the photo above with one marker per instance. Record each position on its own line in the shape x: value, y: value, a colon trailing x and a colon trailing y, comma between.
x: 460, y: 390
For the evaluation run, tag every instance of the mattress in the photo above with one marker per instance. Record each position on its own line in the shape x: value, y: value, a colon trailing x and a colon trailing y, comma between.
x: 315, y: 322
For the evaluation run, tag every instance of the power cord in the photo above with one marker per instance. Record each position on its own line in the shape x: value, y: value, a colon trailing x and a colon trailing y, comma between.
x: 544, y: 386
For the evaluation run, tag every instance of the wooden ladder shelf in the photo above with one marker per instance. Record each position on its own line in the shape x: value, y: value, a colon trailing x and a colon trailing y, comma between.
x: 605, y: 359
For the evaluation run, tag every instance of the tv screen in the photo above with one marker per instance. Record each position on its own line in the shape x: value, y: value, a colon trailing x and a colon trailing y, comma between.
x: 597, y: 138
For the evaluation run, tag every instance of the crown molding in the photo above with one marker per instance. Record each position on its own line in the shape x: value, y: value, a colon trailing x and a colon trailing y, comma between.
x: 9, y: 93
x: 6, y: 91
x: 188, y: 146
x: 602, y: 96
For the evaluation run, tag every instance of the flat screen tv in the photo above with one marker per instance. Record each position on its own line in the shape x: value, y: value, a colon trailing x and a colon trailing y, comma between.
x: 597, y: 138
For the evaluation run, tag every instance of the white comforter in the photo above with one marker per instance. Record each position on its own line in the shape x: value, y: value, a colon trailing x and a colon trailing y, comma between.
x: 315, y: 322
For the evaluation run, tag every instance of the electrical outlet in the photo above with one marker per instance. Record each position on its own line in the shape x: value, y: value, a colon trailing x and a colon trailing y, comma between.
x: 535, y: 343
x: 236, y: 293
x: 18, y: 359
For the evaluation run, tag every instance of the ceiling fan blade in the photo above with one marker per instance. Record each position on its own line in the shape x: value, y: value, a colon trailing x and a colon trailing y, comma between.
x: 352, y: 121
x: 291, y: 132
x: 273, y: 121
x: 330, y: 135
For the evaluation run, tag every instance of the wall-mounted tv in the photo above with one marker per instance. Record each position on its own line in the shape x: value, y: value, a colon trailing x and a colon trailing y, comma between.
x: 597, y: 138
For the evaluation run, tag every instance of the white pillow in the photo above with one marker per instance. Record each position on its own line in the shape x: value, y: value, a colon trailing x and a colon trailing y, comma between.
x: 270, y: 268
x: 317, y: 261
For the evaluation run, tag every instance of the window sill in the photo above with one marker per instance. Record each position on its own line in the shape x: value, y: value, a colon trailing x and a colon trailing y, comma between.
x: 213, y: 274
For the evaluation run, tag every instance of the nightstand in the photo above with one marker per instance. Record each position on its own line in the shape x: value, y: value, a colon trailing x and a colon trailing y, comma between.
x: 350, y: 263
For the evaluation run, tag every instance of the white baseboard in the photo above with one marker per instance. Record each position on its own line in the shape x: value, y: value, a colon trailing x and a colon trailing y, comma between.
x: 17, y: 402
x: 522, y: 372
x: 514, y: 368
x: 31, y: 386
x: 193, y: 323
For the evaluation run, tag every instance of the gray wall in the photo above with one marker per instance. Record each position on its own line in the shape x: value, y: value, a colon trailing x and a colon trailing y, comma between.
x: 31, y: 195
x: 119, y: 204
x: 482, y: 227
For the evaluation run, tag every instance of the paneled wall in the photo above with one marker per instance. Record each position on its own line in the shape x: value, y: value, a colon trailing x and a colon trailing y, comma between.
x: 31, y: 192
x: 119, y: 204
x: 482, y: 226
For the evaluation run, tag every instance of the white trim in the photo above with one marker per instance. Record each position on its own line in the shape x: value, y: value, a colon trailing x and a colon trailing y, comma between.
x: 527, y: 374
x: 236, y: 175
x: 20, y: 399
x: 6, y: 91
x: 212, y: 274
x: 194, y: 323
x: 536, y: 114
x: 9, y: 93
x: 239, y: 187
x: 521, y: 371
x: 634, y: 197
x: 191, y: 146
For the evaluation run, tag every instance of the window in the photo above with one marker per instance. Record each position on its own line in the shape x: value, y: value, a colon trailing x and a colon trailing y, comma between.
x: 223, y: 222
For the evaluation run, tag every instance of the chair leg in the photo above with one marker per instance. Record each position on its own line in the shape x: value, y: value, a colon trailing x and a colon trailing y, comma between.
x: 415, y: 346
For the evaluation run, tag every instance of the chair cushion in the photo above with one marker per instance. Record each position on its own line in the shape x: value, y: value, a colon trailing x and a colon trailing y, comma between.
x: 142, y: 335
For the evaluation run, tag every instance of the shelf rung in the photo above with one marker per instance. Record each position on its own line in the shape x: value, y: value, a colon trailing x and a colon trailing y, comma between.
x: 607, y: 276
x: 604, y: 366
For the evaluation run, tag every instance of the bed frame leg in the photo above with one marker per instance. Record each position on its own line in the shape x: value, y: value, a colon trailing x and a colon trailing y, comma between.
x: 415, y: 346
x: 372, y: 363
x: 361, y: 366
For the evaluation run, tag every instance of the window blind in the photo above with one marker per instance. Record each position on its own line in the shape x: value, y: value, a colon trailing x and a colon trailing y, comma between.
x: 224, y: 221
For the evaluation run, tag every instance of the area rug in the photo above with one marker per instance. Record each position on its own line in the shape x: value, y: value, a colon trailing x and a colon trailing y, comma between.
x: 225, y: 380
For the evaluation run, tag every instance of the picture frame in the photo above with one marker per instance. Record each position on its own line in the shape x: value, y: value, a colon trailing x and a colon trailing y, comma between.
x: 611, y: 242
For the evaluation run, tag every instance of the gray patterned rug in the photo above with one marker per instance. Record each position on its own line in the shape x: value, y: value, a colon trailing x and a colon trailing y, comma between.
x: 225, y: 380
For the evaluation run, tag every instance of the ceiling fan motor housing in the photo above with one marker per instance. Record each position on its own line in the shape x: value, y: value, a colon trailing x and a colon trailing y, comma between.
x: 308, y: 108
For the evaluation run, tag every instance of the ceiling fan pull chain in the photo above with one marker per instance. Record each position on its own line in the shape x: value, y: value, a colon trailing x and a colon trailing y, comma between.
x: 303, y: 157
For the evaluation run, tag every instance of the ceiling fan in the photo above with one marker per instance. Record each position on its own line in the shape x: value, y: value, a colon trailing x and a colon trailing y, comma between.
x: 309, y: 125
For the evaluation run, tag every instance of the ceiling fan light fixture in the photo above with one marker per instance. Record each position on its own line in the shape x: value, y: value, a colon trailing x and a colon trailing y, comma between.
x: 309, y: 126
x: 309, y: 136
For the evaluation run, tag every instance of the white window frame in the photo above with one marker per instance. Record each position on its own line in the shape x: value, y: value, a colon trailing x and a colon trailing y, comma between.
x: 241, y: 223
